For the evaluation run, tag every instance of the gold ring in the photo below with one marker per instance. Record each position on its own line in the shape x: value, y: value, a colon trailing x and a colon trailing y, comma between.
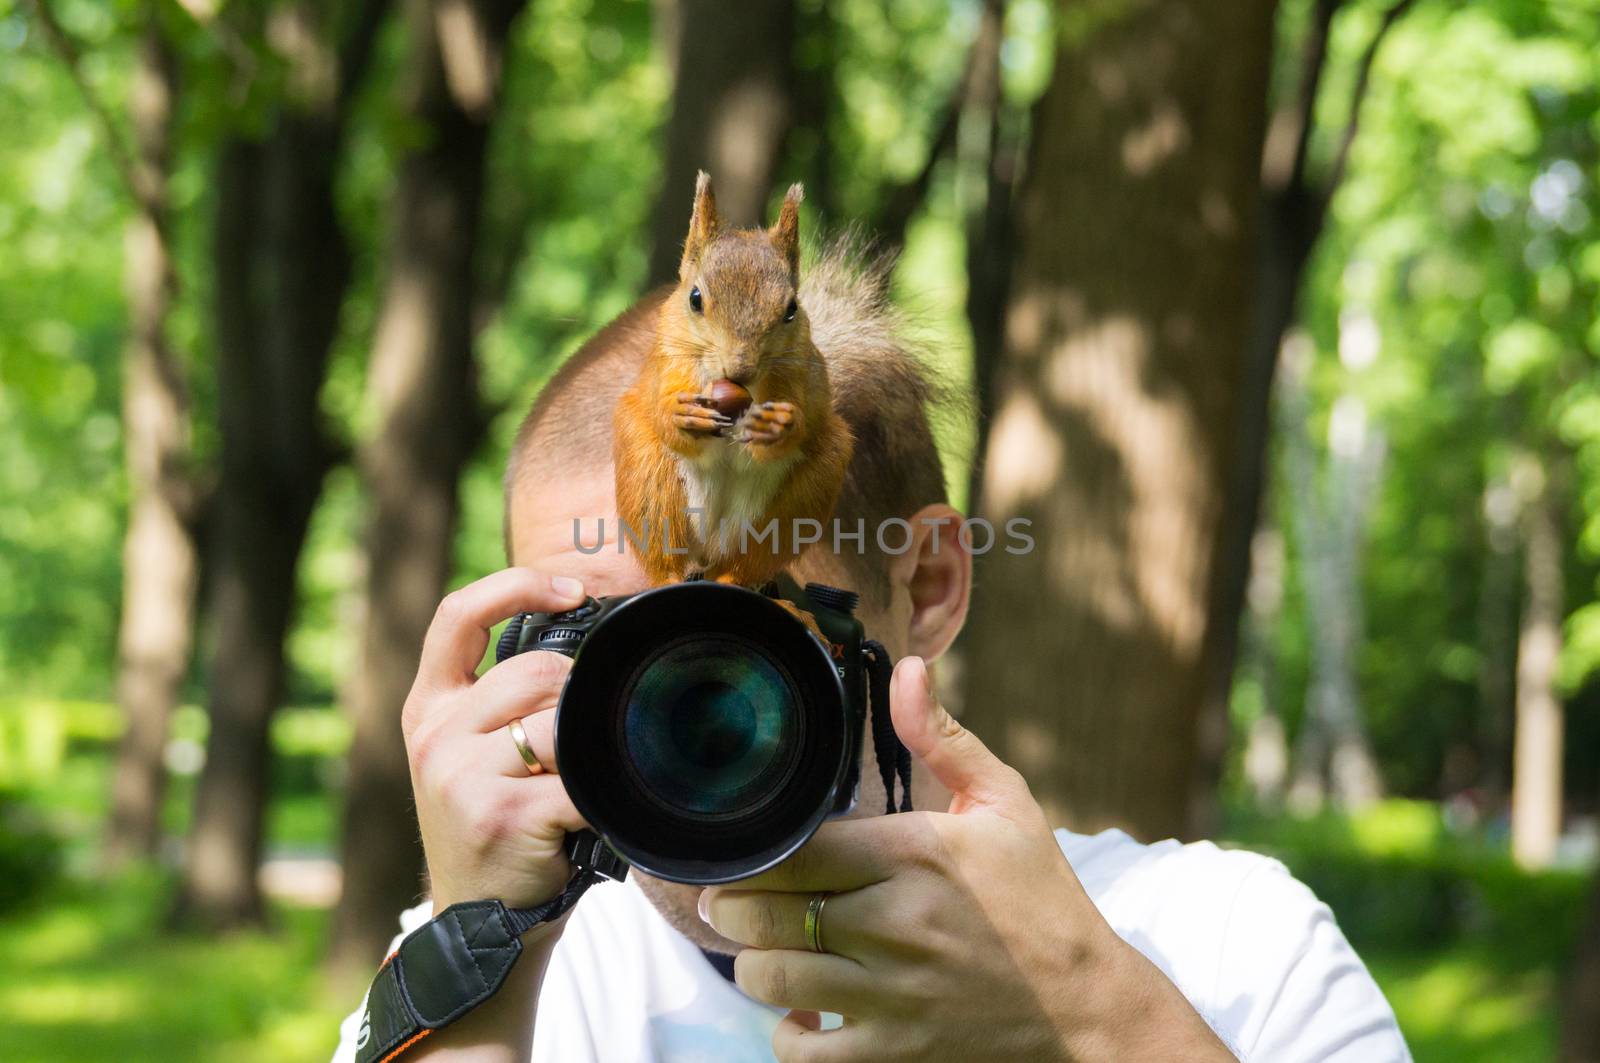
x: 814, y: 922
x: 529, y: 757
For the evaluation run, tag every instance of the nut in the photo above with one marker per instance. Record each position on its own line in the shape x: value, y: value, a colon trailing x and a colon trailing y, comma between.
x: 729, y: 398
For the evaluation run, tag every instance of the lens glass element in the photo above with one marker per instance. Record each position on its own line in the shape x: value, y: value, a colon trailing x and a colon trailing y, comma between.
x: 712, y: 726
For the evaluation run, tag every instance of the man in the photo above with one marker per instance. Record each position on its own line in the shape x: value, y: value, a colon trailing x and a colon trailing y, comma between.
x: 968, y: 932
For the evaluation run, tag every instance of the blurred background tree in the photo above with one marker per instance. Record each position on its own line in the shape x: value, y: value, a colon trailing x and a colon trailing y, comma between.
x: 1280, y: 323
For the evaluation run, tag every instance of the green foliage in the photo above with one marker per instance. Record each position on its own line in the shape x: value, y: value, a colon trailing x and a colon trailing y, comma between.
x: 55, y: 760
x: 1466, y: 235
x: 1398, y: 878
x: 60, y: 329
x: 30, y: 855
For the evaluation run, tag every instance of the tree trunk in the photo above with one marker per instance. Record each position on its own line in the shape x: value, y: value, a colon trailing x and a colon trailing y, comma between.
x: 282, y: 268
x: 1294, y: 210
x: 1333, y: 757
x: 816, y: 103
x: 1580, y: 1026
x: 1536, y: 767
x: 1115, y: 397
x: 159, y: 552
x: 990, y: 241
x: 423, y: 387
x: 1290, y: 225
x: 732, y: 107
x: 1497, y: 624
x: 1266, y: 756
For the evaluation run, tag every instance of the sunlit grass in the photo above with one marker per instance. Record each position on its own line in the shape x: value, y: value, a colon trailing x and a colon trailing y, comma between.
x: 1464, y: 1006
x: 93, y: 977
x: 1465, y: 945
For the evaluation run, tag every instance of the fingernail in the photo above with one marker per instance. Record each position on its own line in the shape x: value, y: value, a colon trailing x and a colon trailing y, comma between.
x: 924, y: 684
x: 704, y: 906
x: 566, y: 586
x: 918, y: 671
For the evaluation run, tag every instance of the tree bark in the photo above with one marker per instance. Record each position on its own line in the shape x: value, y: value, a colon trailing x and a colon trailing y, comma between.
x: 1580, y: 1026
x: 1115, y: 397
x: 282, y: 268
x: 1540, y: 719
x: 423, y: 388
x: 159, y: 552
x: 990, y: 240
x: 732, y: 108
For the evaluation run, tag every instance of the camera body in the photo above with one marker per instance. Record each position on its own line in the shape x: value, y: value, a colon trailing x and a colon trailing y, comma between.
x: 705, y: 731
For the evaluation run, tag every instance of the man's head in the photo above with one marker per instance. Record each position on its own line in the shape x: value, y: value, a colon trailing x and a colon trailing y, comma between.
x: 559, y: 486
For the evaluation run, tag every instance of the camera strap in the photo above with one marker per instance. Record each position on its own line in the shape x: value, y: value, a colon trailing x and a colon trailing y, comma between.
x: 894, y: 759
x: 460, y: 958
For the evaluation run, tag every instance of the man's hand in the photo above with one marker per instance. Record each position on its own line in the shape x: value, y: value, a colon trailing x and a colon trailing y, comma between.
x: 961, y: 935
x: 490, y: 829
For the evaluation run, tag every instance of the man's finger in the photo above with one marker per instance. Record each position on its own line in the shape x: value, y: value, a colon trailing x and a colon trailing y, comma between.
x: 535, y: 802
x: 516, y: 687
x: 844, y: 854
x: 501, y: 756
x: 955, y: 756
x: 460, y: 630
x: 765, y: 919
x: 814, y: 981
x: 800, y: 1036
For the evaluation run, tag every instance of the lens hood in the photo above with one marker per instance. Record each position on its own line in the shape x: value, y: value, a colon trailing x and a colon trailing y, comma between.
x: 702, y: 731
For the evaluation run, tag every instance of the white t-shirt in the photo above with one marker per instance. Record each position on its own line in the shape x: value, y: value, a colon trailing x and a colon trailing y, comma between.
x: 1252, y: 949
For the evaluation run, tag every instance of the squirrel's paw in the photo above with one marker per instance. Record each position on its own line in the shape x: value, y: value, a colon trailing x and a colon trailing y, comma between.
x: 765, y: 423
x: 695, y: 414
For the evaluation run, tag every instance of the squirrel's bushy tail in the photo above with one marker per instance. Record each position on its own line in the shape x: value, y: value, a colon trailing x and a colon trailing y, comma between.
x: 883, y: 384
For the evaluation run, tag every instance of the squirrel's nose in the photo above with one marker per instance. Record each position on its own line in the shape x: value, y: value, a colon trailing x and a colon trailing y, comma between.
x: 741, y: 368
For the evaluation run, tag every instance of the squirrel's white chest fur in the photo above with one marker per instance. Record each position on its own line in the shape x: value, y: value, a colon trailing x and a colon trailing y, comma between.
x: 728, y: 491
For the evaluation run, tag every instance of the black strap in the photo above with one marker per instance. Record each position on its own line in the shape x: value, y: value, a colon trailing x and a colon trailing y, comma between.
x: 721, y: 963
x: 460, y: 958
x: 893, y: 757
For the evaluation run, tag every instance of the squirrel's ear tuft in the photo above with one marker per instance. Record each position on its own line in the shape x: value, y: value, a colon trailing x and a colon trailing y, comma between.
x: 704, y: 224
x: 785, y: 233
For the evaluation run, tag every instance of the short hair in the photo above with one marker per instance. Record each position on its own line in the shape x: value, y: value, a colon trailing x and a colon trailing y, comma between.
x: 882, y: 386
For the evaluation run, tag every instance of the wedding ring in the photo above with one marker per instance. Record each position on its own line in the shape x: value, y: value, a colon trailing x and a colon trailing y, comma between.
x: 529, y: 757
x: 814, y: 922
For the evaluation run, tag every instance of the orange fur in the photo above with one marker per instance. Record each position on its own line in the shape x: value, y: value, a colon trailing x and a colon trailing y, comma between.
x: 747, y: 279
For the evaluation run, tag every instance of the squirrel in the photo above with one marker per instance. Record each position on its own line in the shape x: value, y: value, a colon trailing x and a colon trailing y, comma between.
x: 730, y: 425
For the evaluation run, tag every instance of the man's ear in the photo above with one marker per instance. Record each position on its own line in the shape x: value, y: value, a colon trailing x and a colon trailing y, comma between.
x: 785, y: 232
x: 937, y: 570
x: 704, y: 224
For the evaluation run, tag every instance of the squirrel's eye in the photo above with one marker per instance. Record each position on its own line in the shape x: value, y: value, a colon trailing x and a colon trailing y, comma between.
x: 791, y: 310
x: 695, y: 302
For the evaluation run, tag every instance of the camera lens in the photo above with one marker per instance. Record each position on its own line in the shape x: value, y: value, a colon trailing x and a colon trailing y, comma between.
x: 703, y: 732
x: 710, y: 726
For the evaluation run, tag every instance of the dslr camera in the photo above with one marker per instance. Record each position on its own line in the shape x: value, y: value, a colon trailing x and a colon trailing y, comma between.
x: 705, y: 731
